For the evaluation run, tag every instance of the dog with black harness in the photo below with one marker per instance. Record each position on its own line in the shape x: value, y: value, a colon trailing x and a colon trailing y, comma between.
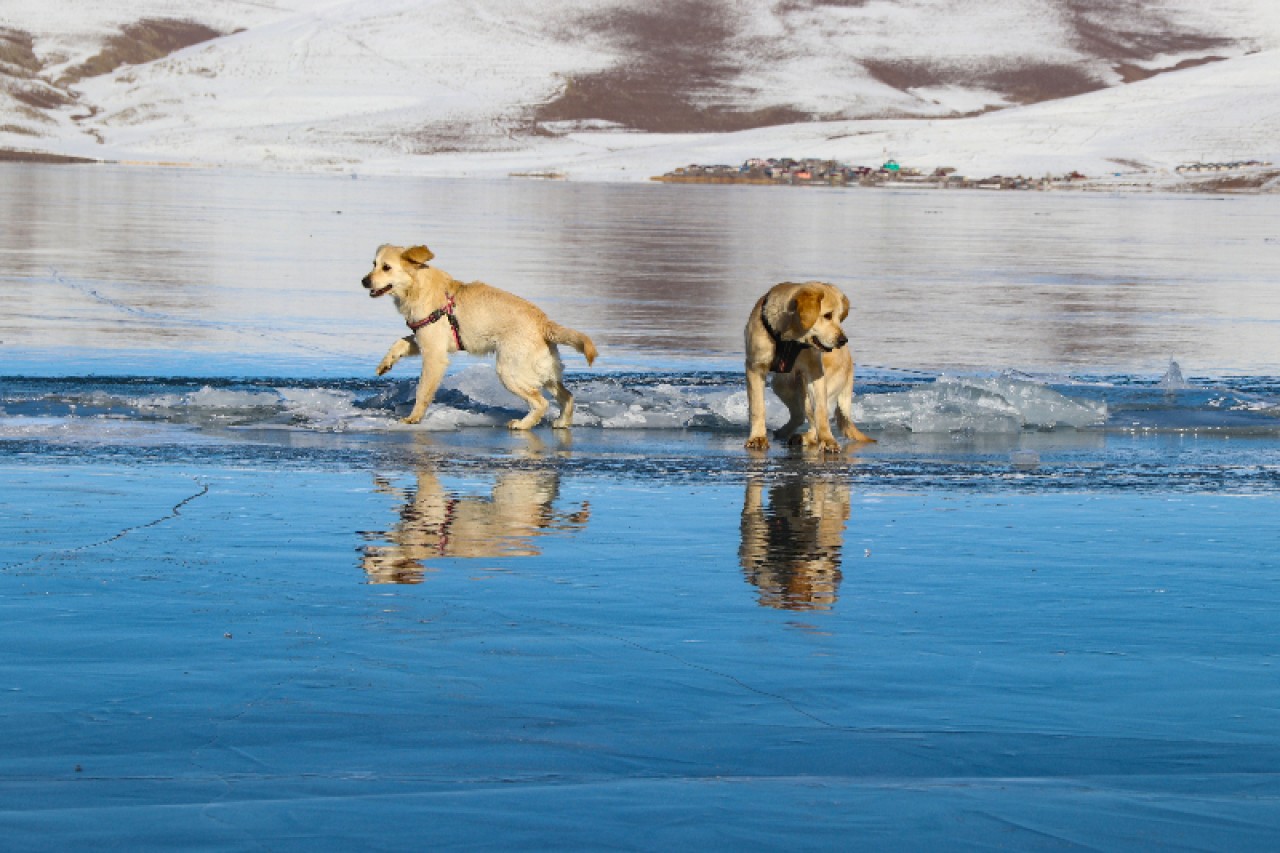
x: 794, y: 332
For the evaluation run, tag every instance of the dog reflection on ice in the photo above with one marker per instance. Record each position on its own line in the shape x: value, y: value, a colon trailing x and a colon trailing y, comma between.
x: 792, y: 543
x: 436, y: 522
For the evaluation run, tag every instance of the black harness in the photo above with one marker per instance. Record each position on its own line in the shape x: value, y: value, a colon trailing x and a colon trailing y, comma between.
x: 785, y: 353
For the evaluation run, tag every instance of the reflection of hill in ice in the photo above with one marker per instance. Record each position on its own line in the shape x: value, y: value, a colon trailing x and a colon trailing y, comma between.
x: 495, y: 86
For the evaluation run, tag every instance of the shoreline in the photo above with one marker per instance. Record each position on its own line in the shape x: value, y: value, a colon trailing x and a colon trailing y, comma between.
x: 1251, y: 176
x: 1240, y: 182
x: 1223, y: 185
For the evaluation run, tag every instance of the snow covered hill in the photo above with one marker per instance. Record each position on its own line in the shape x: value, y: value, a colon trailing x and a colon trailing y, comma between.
x: 609, y: 89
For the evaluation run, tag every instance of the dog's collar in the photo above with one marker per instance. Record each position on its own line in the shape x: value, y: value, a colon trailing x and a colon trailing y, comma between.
x: 785, y: 353
x: 445, y: 311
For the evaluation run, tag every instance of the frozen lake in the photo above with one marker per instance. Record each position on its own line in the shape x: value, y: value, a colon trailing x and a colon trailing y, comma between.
x: 200, y: 271
x: 244, y: 608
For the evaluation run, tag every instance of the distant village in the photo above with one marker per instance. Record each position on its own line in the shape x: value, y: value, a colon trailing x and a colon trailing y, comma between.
x: 815, y: 172
x: 1230, y: 166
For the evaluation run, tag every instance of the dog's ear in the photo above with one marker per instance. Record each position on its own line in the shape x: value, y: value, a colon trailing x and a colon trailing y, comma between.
x: 844, y: 310
x: 807, y: 307
x: 417, y: 255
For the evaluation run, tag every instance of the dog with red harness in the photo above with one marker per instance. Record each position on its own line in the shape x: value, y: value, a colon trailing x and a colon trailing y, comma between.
x: 447, y: 316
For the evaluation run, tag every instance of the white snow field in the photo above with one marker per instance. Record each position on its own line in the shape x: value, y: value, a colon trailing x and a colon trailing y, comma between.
x: 473, y: 88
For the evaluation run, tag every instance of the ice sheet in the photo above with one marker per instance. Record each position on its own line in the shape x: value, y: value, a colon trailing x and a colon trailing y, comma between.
x: 512, y: 650
x: 106, y: 410
x: 244, y: 607
x: 661, y: 277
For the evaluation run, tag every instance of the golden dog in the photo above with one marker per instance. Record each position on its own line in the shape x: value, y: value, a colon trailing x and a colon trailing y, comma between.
x: 447, y: 315
x: 794, y: 332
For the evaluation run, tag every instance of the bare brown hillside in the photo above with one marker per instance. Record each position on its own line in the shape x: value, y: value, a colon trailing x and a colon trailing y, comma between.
x: 679, y: 58
x: 146, y: 41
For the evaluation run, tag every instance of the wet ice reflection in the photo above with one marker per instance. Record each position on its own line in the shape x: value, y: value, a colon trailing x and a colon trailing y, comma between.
x: 958, y: 281
x: 792, y: 540
x: 436, y: 521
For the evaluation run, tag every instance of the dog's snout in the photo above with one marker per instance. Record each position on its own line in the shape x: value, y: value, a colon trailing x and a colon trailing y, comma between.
x: 841, y: 341
x: 366, y: 281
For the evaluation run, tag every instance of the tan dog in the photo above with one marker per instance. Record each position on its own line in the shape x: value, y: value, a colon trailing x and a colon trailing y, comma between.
x: 794, y: 332
x: 447, y: 315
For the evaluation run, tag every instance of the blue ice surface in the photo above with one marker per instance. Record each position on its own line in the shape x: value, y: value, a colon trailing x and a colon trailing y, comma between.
x: 246, y: 609
x: 634, y: 640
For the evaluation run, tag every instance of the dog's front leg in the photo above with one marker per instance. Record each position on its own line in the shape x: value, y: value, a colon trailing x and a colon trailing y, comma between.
x: 434, y: 361
x: 819, y: 434
x: 405, y: 346
x: 758, y: 438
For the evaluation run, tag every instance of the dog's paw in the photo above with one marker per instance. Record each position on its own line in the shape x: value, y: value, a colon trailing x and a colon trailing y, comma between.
x: 385, y: 366
x: 811, y: 441
x: 518, y: 424
x: 757, y: 442
x: 411, y: 419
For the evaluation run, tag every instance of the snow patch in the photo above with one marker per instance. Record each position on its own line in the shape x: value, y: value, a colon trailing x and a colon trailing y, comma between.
x: 443, y: 88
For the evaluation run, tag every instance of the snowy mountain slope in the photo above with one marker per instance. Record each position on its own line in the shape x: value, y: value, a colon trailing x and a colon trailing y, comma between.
x: 46, y: 47
x: 482, y: 83
x: 1224, y: 111
x: 340, y: 78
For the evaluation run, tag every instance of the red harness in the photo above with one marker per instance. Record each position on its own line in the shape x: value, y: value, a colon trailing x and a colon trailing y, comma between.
x: 446, y: 311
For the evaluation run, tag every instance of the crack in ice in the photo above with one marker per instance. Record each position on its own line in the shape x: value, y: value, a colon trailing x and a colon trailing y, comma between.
x: 123, y: 532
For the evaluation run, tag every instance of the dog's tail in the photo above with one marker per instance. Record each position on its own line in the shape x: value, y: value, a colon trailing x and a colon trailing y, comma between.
x: 557, y: 334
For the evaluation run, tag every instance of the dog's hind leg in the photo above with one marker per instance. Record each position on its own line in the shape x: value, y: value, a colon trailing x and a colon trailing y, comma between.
x: 525, y: 372
x: 565, y: 399
x: 791, y: 392
x: 844, y: 423
x: 555, y: 384
x: 844, y: 415
x: 537, y: 408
